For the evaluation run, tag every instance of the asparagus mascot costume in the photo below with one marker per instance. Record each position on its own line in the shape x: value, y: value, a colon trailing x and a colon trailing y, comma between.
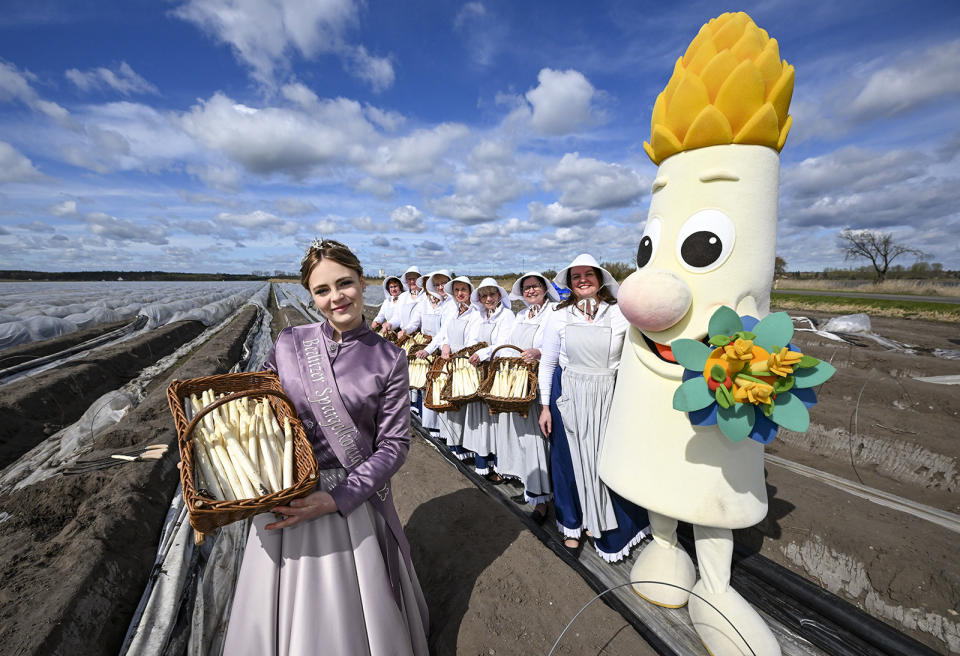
x: 705, y: 267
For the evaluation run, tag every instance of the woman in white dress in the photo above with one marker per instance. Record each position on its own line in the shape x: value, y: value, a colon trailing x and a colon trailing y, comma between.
x: 386, y: 317
x: 433, y: 302
x: 581, y: 348
x: 521, y: 449
x: 494, y: 327
x: 453, y: 336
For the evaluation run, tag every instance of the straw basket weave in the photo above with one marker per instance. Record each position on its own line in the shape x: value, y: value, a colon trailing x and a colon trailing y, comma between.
x: 499, y: 404
x: 414, y: 347
x: 389, y: 335
x: 464, y: 353
x: 439, y: 366
x: 207, y: 514
x: 429, y: 360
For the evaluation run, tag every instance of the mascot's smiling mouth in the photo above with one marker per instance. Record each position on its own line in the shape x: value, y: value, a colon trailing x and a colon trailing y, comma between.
x: 663, y: 351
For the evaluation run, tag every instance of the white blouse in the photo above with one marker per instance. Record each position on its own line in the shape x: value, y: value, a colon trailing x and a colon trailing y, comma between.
x: 554, y: 346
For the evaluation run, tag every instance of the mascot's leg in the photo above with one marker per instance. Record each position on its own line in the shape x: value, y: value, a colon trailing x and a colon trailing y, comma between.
x: 714, y: 553
x: 662, y: 560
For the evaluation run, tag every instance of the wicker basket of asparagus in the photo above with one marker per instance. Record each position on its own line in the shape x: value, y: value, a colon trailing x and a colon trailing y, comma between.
x: 419, y: 368
x: 464, y: 381
x: 413, y: 343
x: 242, y: 447
x: 433, y: 390
x: 510, y: 385
x: 389, y: 335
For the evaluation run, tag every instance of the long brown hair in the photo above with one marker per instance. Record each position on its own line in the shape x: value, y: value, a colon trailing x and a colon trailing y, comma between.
x: 328, y: 249
x: 603, y: 294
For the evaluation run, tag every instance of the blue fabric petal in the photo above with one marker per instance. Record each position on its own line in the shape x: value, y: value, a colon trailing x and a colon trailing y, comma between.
x: 749, y: 323
x: 764, y: 430
x: 808, y: 395
x: 705, y: 417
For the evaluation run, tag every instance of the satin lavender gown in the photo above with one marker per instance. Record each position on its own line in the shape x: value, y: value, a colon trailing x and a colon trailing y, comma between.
x: 322, y: 587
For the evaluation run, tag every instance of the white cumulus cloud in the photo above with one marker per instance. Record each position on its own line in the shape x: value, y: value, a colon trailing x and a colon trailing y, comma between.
x: 265, y: 34
x: 587, y: 183
x: 556, y: 214
x: 14, y: 167
x: 124, y: 80
x: 407, y: 218
x: 561, y: 101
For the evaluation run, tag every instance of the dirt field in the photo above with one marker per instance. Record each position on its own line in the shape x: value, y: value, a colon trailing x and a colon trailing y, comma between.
x: 75, y: 552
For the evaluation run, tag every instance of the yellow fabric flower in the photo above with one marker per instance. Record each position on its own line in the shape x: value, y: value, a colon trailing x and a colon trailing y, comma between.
x: 782, y: 363
x: 740, y: 350
x: 749, y: 391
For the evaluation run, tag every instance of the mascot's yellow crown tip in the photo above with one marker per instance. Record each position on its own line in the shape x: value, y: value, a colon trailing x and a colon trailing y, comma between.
x: 729, y: 87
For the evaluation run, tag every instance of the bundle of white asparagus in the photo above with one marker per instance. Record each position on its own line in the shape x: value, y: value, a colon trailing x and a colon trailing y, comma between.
x: 466, y: 378
x: 418, y: 369
x: 240, y: 450
x: 436, y: 386
x: 510, y: 381
x: 415, y: 340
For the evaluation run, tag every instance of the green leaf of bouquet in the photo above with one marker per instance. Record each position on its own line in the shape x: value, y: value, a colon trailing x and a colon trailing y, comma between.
x: 746, y: 334
x: 781, y: 385
x: 693, y: 395
x: 737, y: 421
x: 690, y: 353
x: 725, y: 321
x: 723, y: 396
x: 776, y: 328
x: 791, y: 413
x: 718, y: 373
x: 806, y: 361
x: 768, y: 408
x: 719, y: 340
x: 813, y: 376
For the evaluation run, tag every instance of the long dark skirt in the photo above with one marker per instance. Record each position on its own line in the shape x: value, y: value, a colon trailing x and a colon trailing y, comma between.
x: 632, y: 522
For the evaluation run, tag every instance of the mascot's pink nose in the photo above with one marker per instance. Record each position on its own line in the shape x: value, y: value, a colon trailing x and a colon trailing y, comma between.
x: 654, y: 299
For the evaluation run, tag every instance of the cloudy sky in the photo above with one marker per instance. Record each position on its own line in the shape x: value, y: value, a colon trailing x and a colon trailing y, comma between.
x: 493, y: 136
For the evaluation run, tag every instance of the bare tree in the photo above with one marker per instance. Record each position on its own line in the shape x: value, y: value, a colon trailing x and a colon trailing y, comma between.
x: 779, y: 267
x: 876, y: 246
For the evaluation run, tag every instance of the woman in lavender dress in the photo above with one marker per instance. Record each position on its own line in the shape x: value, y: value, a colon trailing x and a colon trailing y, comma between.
x: 330, y: 573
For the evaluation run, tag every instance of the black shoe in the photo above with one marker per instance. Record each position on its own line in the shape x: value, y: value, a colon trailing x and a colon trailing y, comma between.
x: 538, y: 517
x: 519, y: 498
x: 494, y: 478
x: 574, y: 551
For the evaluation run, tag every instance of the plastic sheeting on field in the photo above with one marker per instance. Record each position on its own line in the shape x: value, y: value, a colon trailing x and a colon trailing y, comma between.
x: 32, y: 311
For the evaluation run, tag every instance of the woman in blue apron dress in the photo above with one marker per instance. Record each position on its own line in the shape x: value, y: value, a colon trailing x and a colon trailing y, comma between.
x: 522, y: 451
x: 581, y: 353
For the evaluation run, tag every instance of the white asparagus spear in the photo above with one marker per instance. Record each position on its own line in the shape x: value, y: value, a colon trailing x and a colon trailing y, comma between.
x: 210, y: 479
x: 268, y: 459
x: 287, y: 453
x: 243, y: 464
x: 240, y: 487
x: 233, y: 450
x: 219, y: 469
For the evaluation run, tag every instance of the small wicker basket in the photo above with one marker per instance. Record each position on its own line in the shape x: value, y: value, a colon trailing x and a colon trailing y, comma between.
x: 439, y: 366
x: 207, y: 514
x: 464, y: 353
x: 412, y: 347
x: 429, y: 360
x: 389, y: 335
x: 499, y: 404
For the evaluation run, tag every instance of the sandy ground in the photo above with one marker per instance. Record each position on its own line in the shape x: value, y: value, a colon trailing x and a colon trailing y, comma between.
x: 75, y: 552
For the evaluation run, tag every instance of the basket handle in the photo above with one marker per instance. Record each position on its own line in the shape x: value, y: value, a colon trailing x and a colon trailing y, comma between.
x: 493, y: 353
x: 230, y: 397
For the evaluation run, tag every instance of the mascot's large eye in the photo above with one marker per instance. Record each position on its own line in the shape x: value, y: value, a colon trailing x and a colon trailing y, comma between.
x: 648, y: 242
x: 705, y: 241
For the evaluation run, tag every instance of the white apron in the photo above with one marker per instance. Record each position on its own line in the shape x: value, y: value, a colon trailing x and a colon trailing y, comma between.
x: 477, y: 436
x: 588, y: 382
x: 452, y: 421
x: 430, y: 325
x: 521, y: 447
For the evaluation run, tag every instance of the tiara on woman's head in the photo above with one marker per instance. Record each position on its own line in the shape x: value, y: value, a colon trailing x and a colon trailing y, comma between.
x: 319, y: 244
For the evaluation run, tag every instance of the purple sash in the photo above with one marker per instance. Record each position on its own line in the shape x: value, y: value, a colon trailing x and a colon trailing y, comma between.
x: 331, y: 417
